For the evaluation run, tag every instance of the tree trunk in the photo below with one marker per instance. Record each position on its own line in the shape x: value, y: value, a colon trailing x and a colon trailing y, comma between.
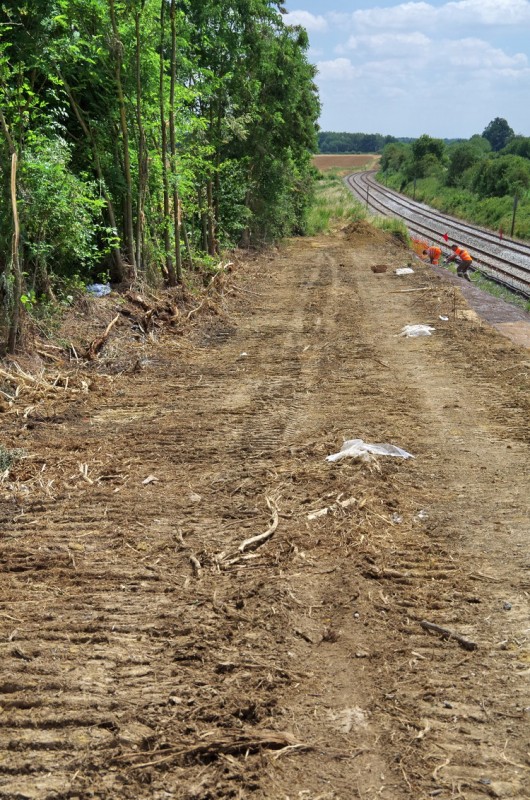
x: 212, y: 244
x: 17, y: 274
x: 119, y: 268
x: 171, y: 277
x: 204, y: 219
x: 187, y: 245
x: 176, y: 199
x: 129, y: 226
x: 142, y: 152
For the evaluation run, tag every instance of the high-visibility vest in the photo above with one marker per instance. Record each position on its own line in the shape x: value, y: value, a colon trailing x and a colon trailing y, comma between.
x: 463, y: 254
x: 434, y: 253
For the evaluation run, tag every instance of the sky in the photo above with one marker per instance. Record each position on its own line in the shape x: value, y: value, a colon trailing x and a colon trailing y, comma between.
x: 408, y: 68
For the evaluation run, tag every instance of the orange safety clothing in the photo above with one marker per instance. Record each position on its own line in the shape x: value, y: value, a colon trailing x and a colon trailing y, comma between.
x: 462, y: 254
x: 434, y: 254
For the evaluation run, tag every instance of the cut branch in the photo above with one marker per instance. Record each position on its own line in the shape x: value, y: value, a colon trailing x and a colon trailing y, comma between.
x: 257, y: 541
x: 95, y: 346
x: 447, y: 634
x: 239, y: 743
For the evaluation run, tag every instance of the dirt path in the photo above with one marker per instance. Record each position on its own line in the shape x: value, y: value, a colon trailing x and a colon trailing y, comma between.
x: 145, y: 654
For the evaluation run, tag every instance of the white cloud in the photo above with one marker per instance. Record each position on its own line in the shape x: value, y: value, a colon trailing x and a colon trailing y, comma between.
x: 340, y: 69
x: 406, y: 63
x: 395, y: 45
x: 421, y: 15
x: 476, y: 54
x: 403, y: 16
x: 307, y: 20
x: 393, y: 63
x: 488, y: 12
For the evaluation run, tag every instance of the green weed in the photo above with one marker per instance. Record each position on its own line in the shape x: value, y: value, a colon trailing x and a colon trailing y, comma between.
x: 8, y: 457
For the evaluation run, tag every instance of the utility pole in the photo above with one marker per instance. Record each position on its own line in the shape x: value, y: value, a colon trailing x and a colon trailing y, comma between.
x: 515, y: 201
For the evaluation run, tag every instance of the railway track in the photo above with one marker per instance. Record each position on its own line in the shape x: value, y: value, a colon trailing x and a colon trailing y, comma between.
x: 505, y: 261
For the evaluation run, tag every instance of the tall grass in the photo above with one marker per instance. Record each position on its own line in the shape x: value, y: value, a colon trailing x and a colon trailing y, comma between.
x: 333, y: 206
x: 396, y: 227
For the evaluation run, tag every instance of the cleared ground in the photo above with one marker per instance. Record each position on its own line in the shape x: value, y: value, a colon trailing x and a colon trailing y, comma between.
x: 147, y: 653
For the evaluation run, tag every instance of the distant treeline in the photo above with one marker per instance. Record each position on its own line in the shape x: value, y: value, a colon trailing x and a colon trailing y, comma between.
x: 333, y: 142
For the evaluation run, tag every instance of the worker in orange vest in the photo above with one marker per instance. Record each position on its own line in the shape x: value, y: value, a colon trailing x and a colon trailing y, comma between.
x: 434, y: 254
x: 462, y: 259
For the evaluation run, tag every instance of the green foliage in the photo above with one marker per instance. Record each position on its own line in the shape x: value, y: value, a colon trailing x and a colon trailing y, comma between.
x: 394, y: 158
x: 503, y: 175
x: 142, y: 125
x: 60, y: 212
x: 428, y: 157
x: 461, y: 158
x: 518, y: 146
x: 498, y: 133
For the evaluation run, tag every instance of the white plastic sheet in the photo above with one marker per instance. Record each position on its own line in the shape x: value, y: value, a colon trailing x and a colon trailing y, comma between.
x: 357, y: 448
x: 404, y: 271
x: 99, y: 289
x: 417, y: 330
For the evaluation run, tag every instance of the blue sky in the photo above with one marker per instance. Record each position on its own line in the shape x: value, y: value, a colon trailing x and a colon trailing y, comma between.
x: 407, y: 68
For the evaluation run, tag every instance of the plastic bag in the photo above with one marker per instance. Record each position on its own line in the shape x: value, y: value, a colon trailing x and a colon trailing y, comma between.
x: 357, y: 448
x: 404, y: 271
x: 99, y: 289
x: 417, y: 330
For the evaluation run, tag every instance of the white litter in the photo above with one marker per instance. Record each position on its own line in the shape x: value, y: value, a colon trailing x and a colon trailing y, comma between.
x: 417, y: 330
x: 404, y: 271
x: 322, y: 512
x: 444, y: 319
x: 357, y: 448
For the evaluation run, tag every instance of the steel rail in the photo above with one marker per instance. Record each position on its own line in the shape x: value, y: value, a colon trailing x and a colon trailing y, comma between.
x: 507, y: 263
x: 430, y: 213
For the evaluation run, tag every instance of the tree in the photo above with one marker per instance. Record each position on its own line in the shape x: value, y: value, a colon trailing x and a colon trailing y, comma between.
x: 502, y: 175
x: 461, y: 158
x: 498, y: 133
x: 137, y: 122
x: 428, y: 156
x: 394, y: 157
x: 518, y: 146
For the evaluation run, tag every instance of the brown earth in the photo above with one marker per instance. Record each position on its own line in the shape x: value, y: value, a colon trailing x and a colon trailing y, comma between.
x: 146, y: 653
x: 345, y: 161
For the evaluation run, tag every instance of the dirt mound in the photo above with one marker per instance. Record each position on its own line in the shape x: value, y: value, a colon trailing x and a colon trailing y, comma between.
x: 360, y: 231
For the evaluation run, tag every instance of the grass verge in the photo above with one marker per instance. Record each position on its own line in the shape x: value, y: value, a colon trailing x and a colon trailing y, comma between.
x: 334, y: 206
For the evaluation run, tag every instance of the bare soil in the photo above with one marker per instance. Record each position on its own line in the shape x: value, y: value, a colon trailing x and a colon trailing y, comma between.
x: 344, y: 161
x: 146, y: 652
